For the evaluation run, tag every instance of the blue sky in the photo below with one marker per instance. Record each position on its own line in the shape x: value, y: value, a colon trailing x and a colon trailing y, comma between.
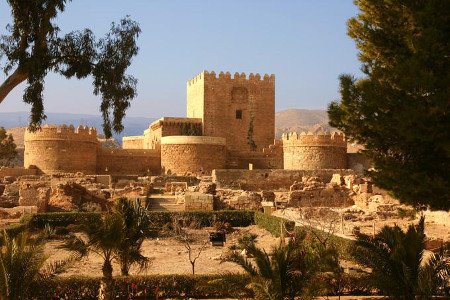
x: 304, y: 43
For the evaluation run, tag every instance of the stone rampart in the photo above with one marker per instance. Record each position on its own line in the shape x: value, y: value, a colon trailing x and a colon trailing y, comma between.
x: 269, y: 179
x: 133, y: 142
x: 308, y: 151
x: 128, y: 161
x: 56, y: 149
x: 192, y: 154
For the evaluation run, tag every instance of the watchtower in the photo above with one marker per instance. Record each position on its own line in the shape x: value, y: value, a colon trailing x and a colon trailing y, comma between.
x: 240, y: 109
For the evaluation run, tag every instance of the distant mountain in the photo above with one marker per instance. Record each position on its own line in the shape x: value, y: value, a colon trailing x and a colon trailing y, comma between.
x: 301, y: 120
x: 133, y: 125
x: 286, y: 120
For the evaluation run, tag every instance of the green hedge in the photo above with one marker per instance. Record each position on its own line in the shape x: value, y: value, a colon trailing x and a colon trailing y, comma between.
x: 342, y: 245
x: 146, y: 287
x: 272, y: 223
x: 62, y: 219
x: 237, y: 218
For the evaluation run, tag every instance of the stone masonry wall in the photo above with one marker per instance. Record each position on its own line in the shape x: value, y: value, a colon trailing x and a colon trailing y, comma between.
x: 128, y: 161
x: 55, y: 149
x: 258, y: 180
x: 192, y: 154
x: 133, y: 142
x: 314, y: 152
x: 230, y: 106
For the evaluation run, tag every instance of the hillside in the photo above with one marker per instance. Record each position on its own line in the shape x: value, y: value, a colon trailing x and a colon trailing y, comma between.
x: 301, y: 120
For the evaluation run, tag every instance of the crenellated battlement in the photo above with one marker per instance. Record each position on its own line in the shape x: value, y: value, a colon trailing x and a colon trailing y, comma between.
x: 335, y: 139
x: 237, y: 77
x: 63, y: 132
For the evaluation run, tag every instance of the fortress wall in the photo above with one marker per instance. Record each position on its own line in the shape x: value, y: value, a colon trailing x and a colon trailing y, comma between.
x: 269, y: 179
x: 313, y: 152
x: 230, y: 106
x: 270, y: 158
x: 169, y: 126
x: 58, y: 149
x: 192, y: 154
x: 17, y: 171
x: 133, y: 142
x: 128, y: 161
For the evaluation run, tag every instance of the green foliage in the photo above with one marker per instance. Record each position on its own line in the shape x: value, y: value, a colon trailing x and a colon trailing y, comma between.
x: 7, y: 148
x: 397, y: 262
x: 167, y: 286
x: 33, y: 48
x: 290, y: 269
x: 135, y: 228
x: 400, y: 110
x: 236, y: 218
x: 273, y: 224
x: 251, y: 143
x: 406, y: 213
x: 63, y: 219
x: 190, y: 129
x: 20, y: 262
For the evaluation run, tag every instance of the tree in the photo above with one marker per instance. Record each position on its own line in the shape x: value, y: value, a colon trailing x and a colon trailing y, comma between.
x: 397, y: 261
x: 20, y: 262
x: 136, y: 226
x: 33, y: 48
x: 400, y: 110
x: 103, y: 238
x: 286, y: 273
x: 7, y: 147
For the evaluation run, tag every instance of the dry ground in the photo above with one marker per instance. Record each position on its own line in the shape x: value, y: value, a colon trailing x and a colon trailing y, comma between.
x: 169, y: 255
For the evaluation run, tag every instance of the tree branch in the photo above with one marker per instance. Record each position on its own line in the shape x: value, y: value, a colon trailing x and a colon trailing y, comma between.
x: 11, y: 82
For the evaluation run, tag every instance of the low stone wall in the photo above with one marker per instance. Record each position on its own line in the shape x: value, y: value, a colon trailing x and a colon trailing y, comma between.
x: 197, y: 201
x: 128, y: 161
x: 16, y: 172
x: 192, y: 154
x: 281, y: 180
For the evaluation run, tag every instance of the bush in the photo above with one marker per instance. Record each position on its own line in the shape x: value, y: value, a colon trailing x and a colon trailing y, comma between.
x: 63, y: 219
x: 272, y: 223
x: 167, y: 286
x: 236, y: 218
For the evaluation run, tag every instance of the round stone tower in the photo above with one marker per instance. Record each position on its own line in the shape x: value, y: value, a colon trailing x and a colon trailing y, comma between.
x: 308, y: 151
x: 56, y: 149
x: 192, y: 154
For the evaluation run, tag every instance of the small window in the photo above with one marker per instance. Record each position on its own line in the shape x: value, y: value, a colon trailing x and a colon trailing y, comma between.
x: 239, y: 114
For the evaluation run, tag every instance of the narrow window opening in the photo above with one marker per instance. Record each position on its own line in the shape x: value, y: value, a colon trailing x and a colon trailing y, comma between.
x: 239, y: 114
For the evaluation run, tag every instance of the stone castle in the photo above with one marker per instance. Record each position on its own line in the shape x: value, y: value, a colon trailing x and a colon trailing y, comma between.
x: 230, y: 124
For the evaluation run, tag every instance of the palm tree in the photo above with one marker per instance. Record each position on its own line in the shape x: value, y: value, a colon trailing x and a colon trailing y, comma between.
x: 20, y: 262
x: 104, y: 238
x: 287, y: 272
x: 397, y: 264
x: 136, y: 225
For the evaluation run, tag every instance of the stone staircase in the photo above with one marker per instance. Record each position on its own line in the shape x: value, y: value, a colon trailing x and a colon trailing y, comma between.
x: 164, y: 203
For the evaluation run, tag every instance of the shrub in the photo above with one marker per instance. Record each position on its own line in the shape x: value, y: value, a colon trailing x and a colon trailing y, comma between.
x: 63, y: 219
x: 167, y: 286
x: 272, y: 223
x: 236, y: 218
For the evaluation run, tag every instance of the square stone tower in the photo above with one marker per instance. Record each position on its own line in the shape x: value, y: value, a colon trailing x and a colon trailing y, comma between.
x: 240, y: 109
